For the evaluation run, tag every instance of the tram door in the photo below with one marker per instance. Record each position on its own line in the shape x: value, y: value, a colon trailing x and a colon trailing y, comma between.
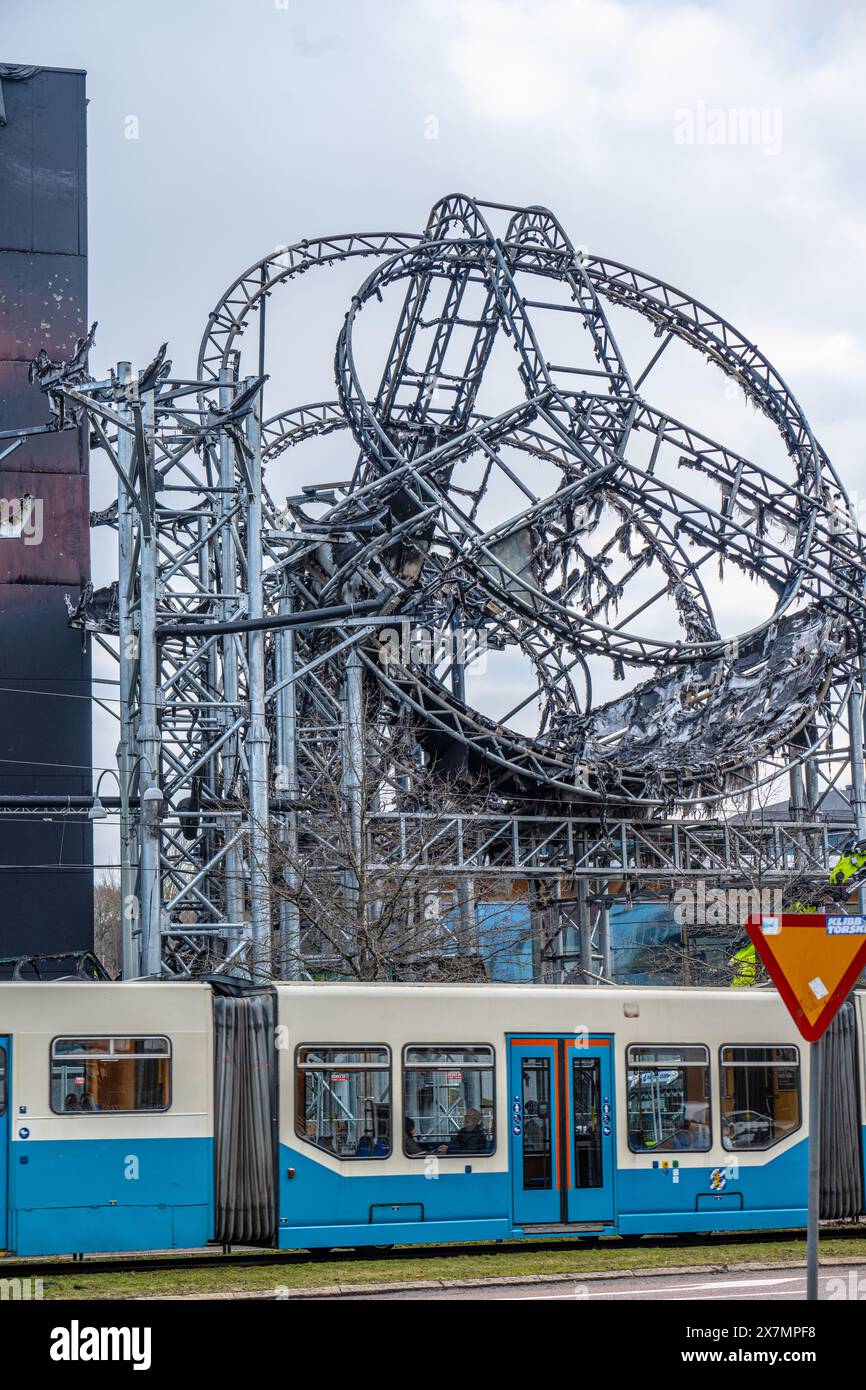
x: 561, y: 1120
x: 5, y: 1084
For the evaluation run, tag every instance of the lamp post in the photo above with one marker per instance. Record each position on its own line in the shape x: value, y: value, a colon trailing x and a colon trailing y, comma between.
x: 134, y: 957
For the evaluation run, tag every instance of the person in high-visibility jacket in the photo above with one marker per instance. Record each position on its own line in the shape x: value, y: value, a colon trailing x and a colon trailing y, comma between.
x: 847, y: 874
x: 745, y: 964
x: 850, y: 864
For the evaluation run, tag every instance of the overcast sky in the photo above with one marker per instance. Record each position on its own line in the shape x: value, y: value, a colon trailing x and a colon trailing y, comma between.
x: 262, y: 122
x: 256, y: 123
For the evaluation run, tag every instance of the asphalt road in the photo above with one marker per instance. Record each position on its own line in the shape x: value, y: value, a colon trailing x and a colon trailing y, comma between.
x: 701, y: 1285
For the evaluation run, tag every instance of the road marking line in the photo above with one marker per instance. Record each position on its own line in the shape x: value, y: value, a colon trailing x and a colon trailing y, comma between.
x: 732, y: 1284
x: 638, y: 1293
x: 671, y: 1289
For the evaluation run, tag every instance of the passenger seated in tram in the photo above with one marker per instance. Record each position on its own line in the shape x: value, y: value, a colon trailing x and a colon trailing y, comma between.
x: 693, y: 1133
x: 471, y: 1139
x: 410, y: 1143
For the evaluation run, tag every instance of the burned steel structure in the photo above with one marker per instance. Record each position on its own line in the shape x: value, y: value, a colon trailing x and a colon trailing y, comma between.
x: 508, y: 479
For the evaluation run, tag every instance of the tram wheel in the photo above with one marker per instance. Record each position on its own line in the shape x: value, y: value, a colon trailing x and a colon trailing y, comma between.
x: 321, y: 1252
x: 631, y: 1240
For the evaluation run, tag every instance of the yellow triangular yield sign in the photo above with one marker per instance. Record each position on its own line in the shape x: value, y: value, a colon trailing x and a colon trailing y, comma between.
x: 813, y: 959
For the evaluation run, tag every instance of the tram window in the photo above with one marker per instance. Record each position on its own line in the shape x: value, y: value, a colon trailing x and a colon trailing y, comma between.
x: 114, y: 1075
x: 537, y: 1146
x: 2, y: 1080
x: 343, y: 1099
x: 760, y: 1096
x: 668, y: 1098
x: 586, y: 1109
x: 448, y: 1100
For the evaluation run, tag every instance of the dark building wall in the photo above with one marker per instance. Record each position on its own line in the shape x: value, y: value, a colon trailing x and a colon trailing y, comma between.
x: 45, y: 737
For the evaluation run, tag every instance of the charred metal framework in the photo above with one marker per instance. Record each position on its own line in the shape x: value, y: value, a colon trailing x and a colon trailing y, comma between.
x: 250, y: 629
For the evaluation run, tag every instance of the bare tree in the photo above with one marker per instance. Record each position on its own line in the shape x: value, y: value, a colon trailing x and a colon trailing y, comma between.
x: 106, y: 920
x: 372, y: 880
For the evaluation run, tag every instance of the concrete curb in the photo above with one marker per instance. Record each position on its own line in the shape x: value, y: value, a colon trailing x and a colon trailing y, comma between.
x: 502, y: 1281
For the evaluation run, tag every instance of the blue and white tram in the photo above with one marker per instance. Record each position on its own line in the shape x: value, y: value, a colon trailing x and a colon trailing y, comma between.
x: 146, y: 1115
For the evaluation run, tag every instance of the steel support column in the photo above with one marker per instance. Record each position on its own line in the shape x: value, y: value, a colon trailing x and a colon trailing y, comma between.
x: 258, y: 738
x: 285, y: 722
x: 353, y: 783
x: 233, y: 872
x: 858, y: 773
x: 130, y: 908
x: 149, y: 737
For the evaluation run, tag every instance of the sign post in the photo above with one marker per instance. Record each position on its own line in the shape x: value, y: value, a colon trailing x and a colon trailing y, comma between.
x: 816, y: 1088
x: 813, y: 959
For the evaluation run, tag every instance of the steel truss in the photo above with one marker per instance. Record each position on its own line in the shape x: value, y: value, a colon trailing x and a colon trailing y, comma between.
x: 250, y: 630
x: 619, y: 850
